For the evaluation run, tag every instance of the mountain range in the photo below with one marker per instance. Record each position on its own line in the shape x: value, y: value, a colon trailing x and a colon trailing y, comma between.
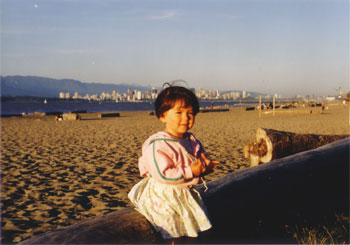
x: 35, y: 86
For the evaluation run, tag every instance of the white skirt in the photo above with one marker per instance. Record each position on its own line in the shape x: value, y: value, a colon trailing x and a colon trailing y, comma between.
x: 173, y: 211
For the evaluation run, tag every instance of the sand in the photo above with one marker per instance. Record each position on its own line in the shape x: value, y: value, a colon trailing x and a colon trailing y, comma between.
x: 57, y: 173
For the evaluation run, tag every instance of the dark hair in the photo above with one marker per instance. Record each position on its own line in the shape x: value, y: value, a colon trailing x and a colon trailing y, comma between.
x: 170, y: 95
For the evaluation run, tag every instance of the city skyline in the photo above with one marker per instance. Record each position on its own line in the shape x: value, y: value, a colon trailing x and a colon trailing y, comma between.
x: 202, y: 94
x: 137, y: 95
x: 287, y: 47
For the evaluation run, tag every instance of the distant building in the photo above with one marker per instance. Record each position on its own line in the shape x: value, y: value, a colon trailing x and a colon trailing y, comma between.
x: 63, y: 95
x: 139, y: 95
x: 238, y: 95
x: 330, y: 98
x: 154, y: 93
x: 76, y: 95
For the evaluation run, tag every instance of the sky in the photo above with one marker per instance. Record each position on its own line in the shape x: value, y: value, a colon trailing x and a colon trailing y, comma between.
x: 289, y: 47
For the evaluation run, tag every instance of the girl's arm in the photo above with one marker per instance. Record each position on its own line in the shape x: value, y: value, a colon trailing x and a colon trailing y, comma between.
x: 164, y: 163
x: 203, y: 165
x: 168, y: 169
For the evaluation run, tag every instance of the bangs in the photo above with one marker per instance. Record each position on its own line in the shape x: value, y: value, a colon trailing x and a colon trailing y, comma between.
x: 180, y: 101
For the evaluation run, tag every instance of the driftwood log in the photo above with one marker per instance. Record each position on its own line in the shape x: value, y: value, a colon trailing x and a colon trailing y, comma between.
x: 70, y: 116
x: 253, y: 205
x: 215, y: 110
x: 111, y: 114
x: 271, y: 144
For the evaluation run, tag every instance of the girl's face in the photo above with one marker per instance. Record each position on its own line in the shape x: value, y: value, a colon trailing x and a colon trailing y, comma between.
x: 178, y: 120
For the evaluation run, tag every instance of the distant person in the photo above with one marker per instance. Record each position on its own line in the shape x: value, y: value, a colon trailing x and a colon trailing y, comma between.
x: 172, y: 162
x: 58, y: 117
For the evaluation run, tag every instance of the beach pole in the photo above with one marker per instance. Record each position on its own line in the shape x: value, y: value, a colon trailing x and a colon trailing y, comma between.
x: 259, y: 105
x: 273, y: 106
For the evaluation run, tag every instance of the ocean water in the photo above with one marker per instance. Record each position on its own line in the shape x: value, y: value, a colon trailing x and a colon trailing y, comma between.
x: 19, y: 107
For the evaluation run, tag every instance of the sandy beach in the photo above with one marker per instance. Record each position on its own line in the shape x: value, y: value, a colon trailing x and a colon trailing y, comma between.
x: 57, y: 173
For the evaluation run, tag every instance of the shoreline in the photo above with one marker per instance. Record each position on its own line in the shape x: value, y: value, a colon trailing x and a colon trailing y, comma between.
x: 30, y: 108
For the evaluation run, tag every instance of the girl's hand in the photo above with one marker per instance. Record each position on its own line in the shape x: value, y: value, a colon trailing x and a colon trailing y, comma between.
x: 210, y: 165
x: 198, y: 168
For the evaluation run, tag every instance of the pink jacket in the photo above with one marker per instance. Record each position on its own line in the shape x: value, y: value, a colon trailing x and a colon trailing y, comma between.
x: 166, y: 160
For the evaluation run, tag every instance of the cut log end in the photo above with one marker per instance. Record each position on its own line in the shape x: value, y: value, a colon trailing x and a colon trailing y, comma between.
x: 271, y: 144
x: 260, y: 150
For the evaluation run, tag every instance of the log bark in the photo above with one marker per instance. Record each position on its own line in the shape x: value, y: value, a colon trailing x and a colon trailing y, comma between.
x: 122, y: 226
x: 270, y: 144
x: 248, y: 206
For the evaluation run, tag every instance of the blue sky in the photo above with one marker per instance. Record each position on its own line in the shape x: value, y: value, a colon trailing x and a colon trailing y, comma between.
x: 269, y: 46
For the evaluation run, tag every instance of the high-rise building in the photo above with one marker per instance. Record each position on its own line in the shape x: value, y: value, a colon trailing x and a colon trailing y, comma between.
x: 138, y: 95
x: 76, y: 95
x: 154, y: 93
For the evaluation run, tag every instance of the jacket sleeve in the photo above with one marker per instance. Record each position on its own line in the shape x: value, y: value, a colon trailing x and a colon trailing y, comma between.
x: 197, y: 147
x: 165, y: 164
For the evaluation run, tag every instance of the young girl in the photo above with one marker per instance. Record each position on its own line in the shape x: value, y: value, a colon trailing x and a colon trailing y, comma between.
x: 172, y: 162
